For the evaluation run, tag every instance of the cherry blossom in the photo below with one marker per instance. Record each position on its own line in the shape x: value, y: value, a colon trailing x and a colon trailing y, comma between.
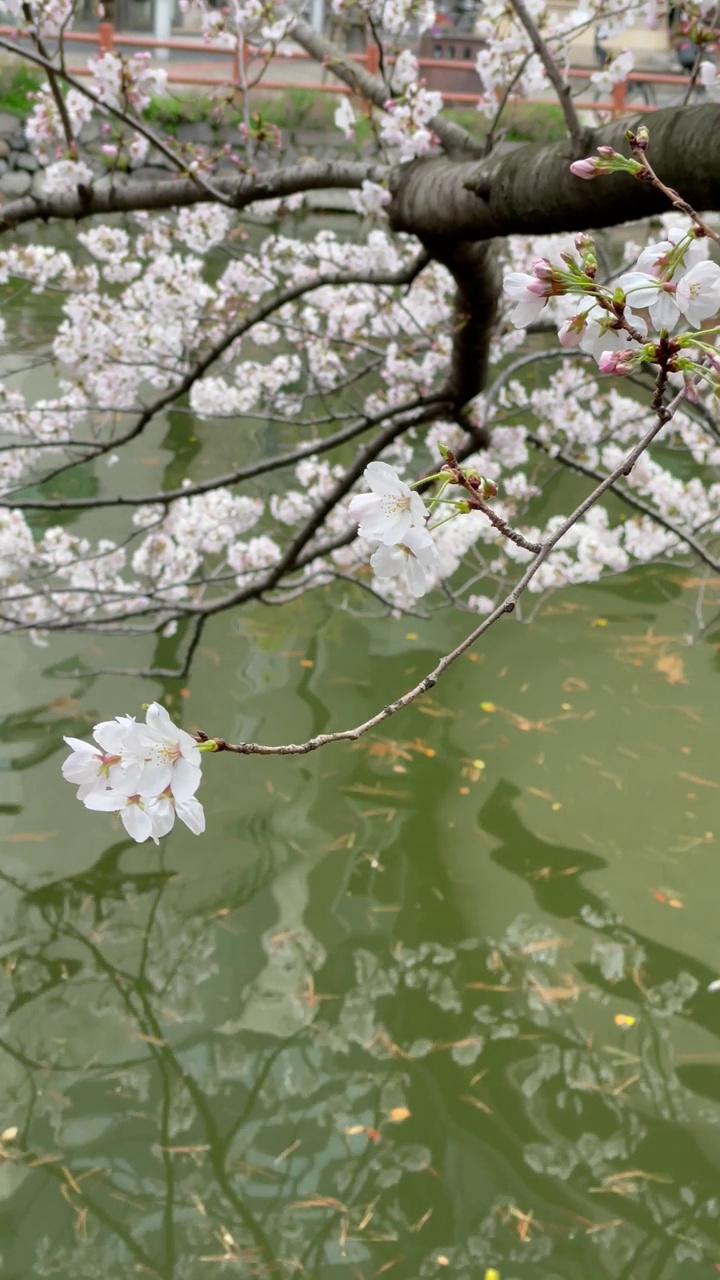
x: 148, y: 773
x: 145, y: 817
x: 93, y: 768
x: 698, y: 293
x: 345, y: 118
x: 390, y: 510
x: 529, y: 294
x: 414, y: 560
x: 166, y: 756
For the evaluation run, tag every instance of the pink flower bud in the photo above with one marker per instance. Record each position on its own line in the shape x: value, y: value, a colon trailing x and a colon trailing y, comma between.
x: 543, y: 269
x: 571, y: 331
x: 586, y: 168
x: 607, y: 151
x: 618, y: 362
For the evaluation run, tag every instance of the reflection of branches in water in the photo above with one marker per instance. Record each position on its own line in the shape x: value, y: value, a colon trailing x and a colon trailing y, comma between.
x: 278, y: 1151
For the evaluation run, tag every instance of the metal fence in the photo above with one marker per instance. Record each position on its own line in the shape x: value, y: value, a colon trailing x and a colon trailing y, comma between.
x: 107, y: 38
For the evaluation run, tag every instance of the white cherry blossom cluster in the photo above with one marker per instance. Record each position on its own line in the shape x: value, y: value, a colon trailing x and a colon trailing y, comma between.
x: 394, y: 518
x: 405, y: 122
x: 127, y: 83
x: 147, y: 773
x: 142, y: 304
x: 43, y: 127
x: 254, y: 22
x: 396, y: 17
x: 47, y: 17
x: 673, y: 284
x: 507, y: 59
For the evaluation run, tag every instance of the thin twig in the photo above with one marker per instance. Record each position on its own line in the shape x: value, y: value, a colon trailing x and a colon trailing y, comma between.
x: 561, y: 87
x: 507, y: 606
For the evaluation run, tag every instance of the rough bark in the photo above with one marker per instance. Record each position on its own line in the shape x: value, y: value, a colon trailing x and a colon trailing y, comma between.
x: 475, y: 271
x: 530, y: 191
x: 126, y: 195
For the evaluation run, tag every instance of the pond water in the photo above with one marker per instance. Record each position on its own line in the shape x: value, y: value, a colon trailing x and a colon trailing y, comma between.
x: 423, y: 1006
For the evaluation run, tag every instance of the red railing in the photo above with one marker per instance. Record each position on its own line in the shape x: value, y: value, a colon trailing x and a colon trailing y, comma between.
x: 107, y: 38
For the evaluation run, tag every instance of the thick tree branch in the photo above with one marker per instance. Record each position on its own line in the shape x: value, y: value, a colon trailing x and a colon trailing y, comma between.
x: 530, y: 191
x: 127, y: 195
x: 475, y: 270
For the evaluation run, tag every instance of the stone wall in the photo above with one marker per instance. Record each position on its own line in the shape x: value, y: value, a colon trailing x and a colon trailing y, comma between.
x: 21, y: 173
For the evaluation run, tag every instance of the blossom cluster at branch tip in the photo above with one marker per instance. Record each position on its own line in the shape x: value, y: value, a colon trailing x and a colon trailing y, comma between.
x: 395, y: 517
x: 673, y: 281
x: 148, y: 773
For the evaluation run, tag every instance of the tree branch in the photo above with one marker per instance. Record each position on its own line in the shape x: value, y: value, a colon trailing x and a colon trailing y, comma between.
x: 258, y: 313
x: 507, y: 606
x: 475, y: 270
x: 530, y: 191
x: 575, y: 130
x: 452, y: 136
x: 237, y: 190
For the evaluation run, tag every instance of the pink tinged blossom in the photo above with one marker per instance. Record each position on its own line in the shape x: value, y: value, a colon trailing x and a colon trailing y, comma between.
x: 623, y: 361
x: 602, y: 335
x: 93, y: 768
x: 698, y: 293
x: 571, y: 331
x: 655, y: 258
x: 529, y: 296
x: 589, y: 168
x: 387, y: 513
x: 415, y: 560
x: 88, y: 767
x: 543, y: 269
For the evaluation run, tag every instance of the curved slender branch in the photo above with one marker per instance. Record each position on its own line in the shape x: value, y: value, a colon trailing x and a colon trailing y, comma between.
x: 507, y: 606
x: 41, y: 60
x: 576, y: 132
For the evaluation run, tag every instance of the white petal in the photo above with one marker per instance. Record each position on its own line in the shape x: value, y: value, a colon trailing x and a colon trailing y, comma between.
x: 154, y: 777
x: 158, y: 719
x: 384, y: 480
x: 186, y: 778
x: 526, y: 312
x: 388, y: 562
x: 418, y: 510
x: 110, y: 736
x: 137, y: 823
x: 363, y: 506
x: 192, y: 814
x: 415, y: 576
x: 83, y: 768
x: 664, y: 312
x: 84, y: 748
x: 161, y: 813
x: 107, y: 801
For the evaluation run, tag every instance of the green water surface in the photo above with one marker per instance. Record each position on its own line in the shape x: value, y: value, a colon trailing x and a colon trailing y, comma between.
x: 421, y: 1006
